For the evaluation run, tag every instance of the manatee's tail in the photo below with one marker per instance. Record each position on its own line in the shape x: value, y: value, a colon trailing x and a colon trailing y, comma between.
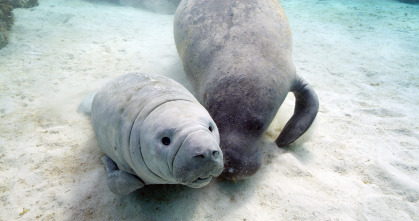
x: 85, y: 107
x: 306, y: 108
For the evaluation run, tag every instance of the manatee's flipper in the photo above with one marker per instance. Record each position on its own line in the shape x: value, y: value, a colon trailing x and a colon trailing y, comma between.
x: 85, y: 106
x: 306, y: 107
x: 120, y: 182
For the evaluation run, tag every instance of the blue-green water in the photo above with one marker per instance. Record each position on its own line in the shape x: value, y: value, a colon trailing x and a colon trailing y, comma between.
x: 358, y: 162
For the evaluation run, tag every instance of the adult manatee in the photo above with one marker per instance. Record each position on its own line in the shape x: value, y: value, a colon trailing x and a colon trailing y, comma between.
x: 153, y: 131
x: 237, y: 56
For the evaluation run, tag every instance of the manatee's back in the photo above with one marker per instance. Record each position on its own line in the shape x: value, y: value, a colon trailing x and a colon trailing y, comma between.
x: 117, y: 105
x: 215, y: 38
x: 236, y: 52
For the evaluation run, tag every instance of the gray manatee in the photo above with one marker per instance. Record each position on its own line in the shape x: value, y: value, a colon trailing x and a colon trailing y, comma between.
x: 153, y: 131
x: 237, y: 56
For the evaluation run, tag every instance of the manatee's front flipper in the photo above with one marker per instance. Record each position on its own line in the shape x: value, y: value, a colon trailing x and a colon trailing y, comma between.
x: 85, y: 106
x: 120, y: 182
x: 306, y: 107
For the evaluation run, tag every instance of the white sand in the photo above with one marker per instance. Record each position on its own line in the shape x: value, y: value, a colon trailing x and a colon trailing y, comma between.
x: 359, y: 162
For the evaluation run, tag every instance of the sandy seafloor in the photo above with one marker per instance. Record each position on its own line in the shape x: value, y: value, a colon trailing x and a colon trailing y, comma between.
x: 358, y: 162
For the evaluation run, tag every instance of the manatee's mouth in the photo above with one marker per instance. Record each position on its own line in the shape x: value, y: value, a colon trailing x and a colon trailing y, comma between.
x: 199, y: 182
x: 202, y: 180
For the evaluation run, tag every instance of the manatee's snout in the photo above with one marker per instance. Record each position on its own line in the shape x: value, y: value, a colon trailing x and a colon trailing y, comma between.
x: 207, y: 154
x: 242, y: 157
x: 198, y: 160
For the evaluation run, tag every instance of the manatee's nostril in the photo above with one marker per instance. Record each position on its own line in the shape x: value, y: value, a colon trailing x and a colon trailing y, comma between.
x: 208, y: 154
x: 215, y: 154
x: 200, y: 156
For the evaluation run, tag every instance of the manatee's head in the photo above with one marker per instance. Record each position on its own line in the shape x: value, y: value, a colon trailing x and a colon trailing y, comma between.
x: 242, y: 105
x: 180, y: 143
x: 242, y: 155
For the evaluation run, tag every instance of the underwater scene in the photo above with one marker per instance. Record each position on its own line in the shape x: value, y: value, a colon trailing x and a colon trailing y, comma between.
x: 359, y: 159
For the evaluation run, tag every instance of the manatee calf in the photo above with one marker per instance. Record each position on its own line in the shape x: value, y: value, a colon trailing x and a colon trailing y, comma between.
x: 237, y: 56
x: 153, y: 131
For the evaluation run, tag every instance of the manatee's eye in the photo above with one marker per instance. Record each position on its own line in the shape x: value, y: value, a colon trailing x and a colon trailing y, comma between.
x: 210, y: 128
x: 165, y: 141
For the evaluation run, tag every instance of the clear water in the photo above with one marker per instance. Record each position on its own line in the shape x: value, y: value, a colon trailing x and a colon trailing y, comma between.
x: 358, y: 162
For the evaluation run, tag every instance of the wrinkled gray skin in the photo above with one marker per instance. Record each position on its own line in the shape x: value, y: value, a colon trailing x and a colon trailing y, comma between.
x: 153, y: 131
x: 237, y: 56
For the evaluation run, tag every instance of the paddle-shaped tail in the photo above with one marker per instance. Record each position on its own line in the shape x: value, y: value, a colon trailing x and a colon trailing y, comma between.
x: 306, y: 108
